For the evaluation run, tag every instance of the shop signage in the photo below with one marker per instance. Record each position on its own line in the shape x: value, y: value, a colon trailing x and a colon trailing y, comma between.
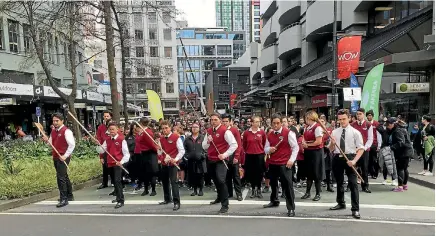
x: 8, y: 101
x: 268, y: 104
x: 89, y: 108
x: 79, y: 105
x: 16, y: 89
x: 292, y: 99
x: 38, y: 111
x: 319, y: 101
x: 93, y: 96
x: 107, y: 99
x: 276, y: 97
x: 412, y: 87
x: 100, y: 108
x: 49, y: 92
x: 38, y: 91
x: 352, y: 94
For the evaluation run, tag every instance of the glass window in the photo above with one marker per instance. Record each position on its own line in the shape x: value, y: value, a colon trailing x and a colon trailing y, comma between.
x: 155, y: 70
x: 186, y: 34
x: 223, y: 63
x: 209, y: 50
x: 256, y: 19
x: 181, y: 76
x: 169, y: 70
x: 168, y: 52
x: 49, y: 44
x: 152, y: 17
x: 257, y: 26
x: 166, y: 17
x: 169, y: 87
x: 256, y: 7
x: 140, y: 52
x: 154, y: 52
x: 208, y: 64
x: 224, y: 50
x: 2, y: 46
x: 139, y: 34
x: 140, y: 71
x: 256, y: 13
x: 223, y: 96
x: 167, y: 34
x: 180, y: 51
x: 171, y: 104
x: 26, y: 36
x: 137, y: 19
x: 152, y: 33
x: 126, y: 52
x: 199, y: 36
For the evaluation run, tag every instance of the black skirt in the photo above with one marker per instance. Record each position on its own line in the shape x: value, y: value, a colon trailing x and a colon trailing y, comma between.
x: 314, y: 162
x: 327, y: 159
x: 150, y: 162
x: 254, y: 165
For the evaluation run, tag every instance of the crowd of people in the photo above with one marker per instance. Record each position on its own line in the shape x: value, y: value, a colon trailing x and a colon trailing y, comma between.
x: 275, y: 153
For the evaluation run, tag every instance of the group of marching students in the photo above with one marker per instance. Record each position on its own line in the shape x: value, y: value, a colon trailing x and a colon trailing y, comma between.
x: 270, y: 151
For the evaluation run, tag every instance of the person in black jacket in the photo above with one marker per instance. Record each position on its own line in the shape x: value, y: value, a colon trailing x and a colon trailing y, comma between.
x: 132, y: 164
x: 196, y: 160
x: 400, y: 144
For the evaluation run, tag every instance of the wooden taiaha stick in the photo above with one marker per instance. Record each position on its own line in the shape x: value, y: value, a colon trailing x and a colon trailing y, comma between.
x: 39, y: 126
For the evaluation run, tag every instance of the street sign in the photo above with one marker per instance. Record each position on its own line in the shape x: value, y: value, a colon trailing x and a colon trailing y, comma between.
x: 352, y: 94
x: 292, y: 99
x: 268, y: 104
x: 38, y: 111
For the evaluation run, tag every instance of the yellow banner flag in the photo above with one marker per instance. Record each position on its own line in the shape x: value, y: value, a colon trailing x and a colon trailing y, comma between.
x: 154, y: 105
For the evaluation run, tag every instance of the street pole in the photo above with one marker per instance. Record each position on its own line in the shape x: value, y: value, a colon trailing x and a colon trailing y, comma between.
x: 335, y: 34
x: 286, y: 105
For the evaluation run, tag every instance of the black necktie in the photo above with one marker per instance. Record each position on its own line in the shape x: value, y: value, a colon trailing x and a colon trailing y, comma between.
x: 277, y: 132
x: 214, y: 130
x: 342, y: 142
x: 113, y: 138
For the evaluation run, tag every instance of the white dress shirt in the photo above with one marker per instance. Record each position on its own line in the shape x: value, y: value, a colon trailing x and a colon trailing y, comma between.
x: 124, y: 148
x: 292, y: 140
x: 180, y: 148
x: 379, y: 137
x: 69, y: 137
x: 353, y: 140
x: 230, y: 139
x: 318, y: 131
x: 370, y: 139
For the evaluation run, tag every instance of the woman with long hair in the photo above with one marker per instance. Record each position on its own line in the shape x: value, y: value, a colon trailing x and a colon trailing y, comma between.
x: 196, y: 160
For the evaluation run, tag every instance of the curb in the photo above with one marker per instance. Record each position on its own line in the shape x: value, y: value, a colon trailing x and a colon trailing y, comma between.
x: 43, y: 196
x: 421, y: 182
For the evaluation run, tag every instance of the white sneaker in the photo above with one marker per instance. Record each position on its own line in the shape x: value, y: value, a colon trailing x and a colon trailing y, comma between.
x: 422, y: 172
x: 428, y: 173
x: 394, y: 182
x: 335, y: 185
x: 384, y: 182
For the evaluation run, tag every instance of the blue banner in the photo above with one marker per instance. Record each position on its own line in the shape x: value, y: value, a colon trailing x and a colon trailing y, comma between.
x: 354, y: 84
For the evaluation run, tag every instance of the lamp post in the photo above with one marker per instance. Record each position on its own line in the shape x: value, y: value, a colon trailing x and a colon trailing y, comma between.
x: 286, y: 105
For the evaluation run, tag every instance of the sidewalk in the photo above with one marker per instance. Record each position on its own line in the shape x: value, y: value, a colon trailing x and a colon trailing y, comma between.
x: 415, y: 167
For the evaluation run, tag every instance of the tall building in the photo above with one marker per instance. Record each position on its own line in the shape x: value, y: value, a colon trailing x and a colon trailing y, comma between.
x: 295, y: 55
x: 206, y: 48
x: 235, y: 16
x: 150, y: 52
x: 255, y: 21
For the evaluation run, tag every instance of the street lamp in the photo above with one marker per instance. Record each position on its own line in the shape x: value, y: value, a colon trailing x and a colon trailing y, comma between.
x: 286, y: 105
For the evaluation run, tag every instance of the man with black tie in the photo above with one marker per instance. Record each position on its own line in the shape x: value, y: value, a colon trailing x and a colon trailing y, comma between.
x: 351, y: 143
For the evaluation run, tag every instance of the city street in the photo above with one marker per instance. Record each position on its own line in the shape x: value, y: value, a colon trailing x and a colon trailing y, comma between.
x: 383, y: 213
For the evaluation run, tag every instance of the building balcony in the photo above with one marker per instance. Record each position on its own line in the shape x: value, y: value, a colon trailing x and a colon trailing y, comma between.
x: 288, y: 12
x: 255, y: 73
x: 272, y: 8
x: 319, y: 20
x: 268, y: 58
x: 271, y: 29
x: 290, y: 41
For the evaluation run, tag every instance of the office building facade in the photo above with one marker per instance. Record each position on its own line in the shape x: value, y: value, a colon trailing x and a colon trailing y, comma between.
x: 235, y: 15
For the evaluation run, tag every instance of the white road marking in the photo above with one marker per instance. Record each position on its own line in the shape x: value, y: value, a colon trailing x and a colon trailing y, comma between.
x: 224, y: 216
x: 247, y: 202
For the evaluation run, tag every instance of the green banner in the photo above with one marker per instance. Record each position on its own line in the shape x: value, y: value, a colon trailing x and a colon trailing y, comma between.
x: 371, y: 90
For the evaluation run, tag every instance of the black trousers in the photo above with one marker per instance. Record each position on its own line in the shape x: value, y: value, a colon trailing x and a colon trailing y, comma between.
x: 373, y: 166
x: 118, y: 185
x: 133, y: 167
x: 402, y: 172
x: 218, y: 173
x: 362, y: 163
x: 301, y: 175
x: 169, y: 176
x: 64, y: 184
x: 196, y: 180
x: 233, y: 179
x: 429, y: 163
x: 277, y: 172
x: 339, y: 165
x: 107, y: 172
x: 255, y: 169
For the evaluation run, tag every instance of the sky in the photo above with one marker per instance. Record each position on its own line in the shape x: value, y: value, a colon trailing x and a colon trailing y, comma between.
x: 198, y: 13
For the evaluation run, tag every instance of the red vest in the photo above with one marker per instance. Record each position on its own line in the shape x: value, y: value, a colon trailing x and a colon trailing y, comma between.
x: 284, y: 151
x: 219, y: 141
x: 147, y: 142
x: 237, y: 136
x: 309, y: 137
x: 363, y: 129
x: 139, y: 146
x: 59, y: 142
x: 374, y: 132
x: 169, y: 145
x: 254, y: 143
x: 115, y: 148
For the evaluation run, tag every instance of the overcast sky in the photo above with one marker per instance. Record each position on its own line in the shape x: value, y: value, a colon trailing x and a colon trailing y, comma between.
x: 198, y: 13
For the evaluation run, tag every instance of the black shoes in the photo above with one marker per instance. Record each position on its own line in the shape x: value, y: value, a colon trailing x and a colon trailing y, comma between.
x: 70, y: 199
x: 62, y: 203
x: 338, y: 207
x: 200, y: 193
x: 259, y: 194
x: 216, y: 201
x: 265, y: 190
x: 176, y: 206
x: 291, y: 213
x: 306, y: 196
x: 239, y: 198
x: 165, y: 202
x: 119, y: 204
x: 355, y: 214
x: 112, y: 193
x: 153, y: 193
x: 194, y: 193
x: 316, y: 198
x: 253, y: 193
x: 102, y: 186
x: 329, y: 189
x: 366, y: 190
x: 223, y: 210
x: 145, y: 193
x: 137, y: 188
x: 271, y: 204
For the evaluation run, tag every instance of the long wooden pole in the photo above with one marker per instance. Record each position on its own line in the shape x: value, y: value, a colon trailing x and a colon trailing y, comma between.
x: 157, y: 144
x: 39, y: 126
x: 225, y: 164
x: 90, y: 135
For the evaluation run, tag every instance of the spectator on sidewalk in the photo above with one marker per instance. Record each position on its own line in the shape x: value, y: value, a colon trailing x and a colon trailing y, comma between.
x: 427, y: 134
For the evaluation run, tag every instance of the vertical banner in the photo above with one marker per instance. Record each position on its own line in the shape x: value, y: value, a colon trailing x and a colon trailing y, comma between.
x: 354, y: 84
x: 348, y: 56
x: 154, y: 105
x: 210, y: 104
x: 233, y: 97
x: 371, y: 90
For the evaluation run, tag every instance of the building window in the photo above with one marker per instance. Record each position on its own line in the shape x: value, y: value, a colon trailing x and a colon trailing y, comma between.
x: 140, y: 52
x: 256, y: 20
x: 152, y: 17
x: 1, y: 34
x: 223, y: 63
x: 223, y: 80
x: 126, y: 52
x: 256, y: 7
x: 129, y: 88
x: 166, y: 17
x: 27, y: 38
x: 169, y: 70
x: 50, y: 47
x: 66, y: 57
x: 224, y: 50
x: 140, y: 71
x: 128, y: 72
x: 58, y: 60
x: 139, y: 35
x: 209, y: 50
x: 256, y: 32
x: 170, y: 87
x: 168, y: 52
x: 167, y: 34
x: 13, y: 35
x: 223, y: 96
x: 170, y: 104
x: 155, y: 71
x: 137, y: 19
x: 152, y: 34
x: 154, y: 52
x: 257, y: 26
x: 256, y: 13
x: 208, y: 64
